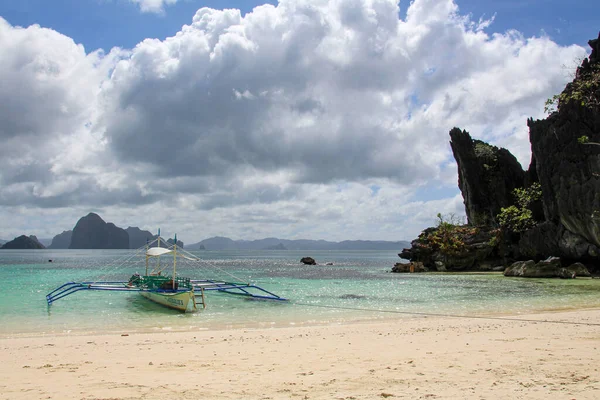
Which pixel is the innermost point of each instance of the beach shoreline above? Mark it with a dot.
(421, 357)
(359, 316)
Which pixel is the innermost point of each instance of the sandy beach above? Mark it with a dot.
(410, 358)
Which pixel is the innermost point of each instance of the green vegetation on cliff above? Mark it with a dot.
(448, 237)
(584, 90)
(519, 218)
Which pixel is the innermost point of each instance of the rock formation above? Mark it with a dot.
(61, 241)
(411, 267)
(475, 248)
(23, 242)
(138, 237)
(308, 261)
(569, 171)
(566, 163)
(487, 176)
(549, 268)
(91, 232)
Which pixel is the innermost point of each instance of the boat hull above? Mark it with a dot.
(181, 301)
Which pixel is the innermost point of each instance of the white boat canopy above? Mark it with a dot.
(157, 251)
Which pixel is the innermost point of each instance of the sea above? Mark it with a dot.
(357, 286)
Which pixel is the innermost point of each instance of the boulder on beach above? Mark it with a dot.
(549, 268)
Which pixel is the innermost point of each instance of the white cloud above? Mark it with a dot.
(50, 93)
(153, 6)
(278, 123)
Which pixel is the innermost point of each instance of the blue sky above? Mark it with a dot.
(318, 119)
(108, 23)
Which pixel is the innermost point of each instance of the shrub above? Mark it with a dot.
(520, 219)
(448, 237)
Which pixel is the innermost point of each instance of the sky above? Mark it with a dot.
(315, 119)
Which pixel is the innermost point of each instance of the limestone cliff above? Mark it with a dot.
(487, 176)
(138, 237)
(91, 232)
(61, 241)
(566, 163)
(569, 170)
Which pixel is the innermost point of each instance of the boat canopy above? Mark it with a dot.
(157, 251)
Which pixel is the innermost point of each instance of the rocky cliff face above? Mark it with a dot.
(565, 161)
(487, 176)
(569, 171)
(61, 241)
(91, 232)
(24, 242)
(138, 237)
(456, 248)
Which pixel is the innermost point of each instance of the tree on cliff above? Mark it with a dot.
(519, 217)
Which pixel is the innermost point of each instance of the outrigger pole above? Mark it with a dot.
(147, 256)
(158, 263)
(247, 290)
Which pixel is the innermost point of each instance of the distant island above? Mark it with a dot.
(92, 232)
(224, 243)
(61, 241)
(279, 246)
(24, 242)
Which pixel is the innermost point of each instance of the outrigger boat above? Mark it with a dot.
(173, 291)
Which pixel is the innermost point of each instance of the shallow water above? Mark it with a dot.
(358, 284)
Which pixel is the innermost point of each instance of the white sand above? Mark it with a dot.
(416, 358)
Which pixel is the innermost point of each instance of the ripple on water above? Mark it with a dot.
(357, 284)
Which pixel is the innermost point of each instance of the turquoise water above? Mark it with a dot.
(357, 283)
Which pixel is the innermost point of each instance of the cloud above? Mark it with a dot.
(323, 89)
(277, 123)
(49, 157)
(153, 6)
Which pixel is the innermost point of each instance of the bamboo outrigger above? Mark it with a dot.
(179, 293)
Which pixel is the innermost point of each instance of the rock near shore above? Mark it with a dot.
(473, 249)
(409, 267)
(549, 268)
(565, 162)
